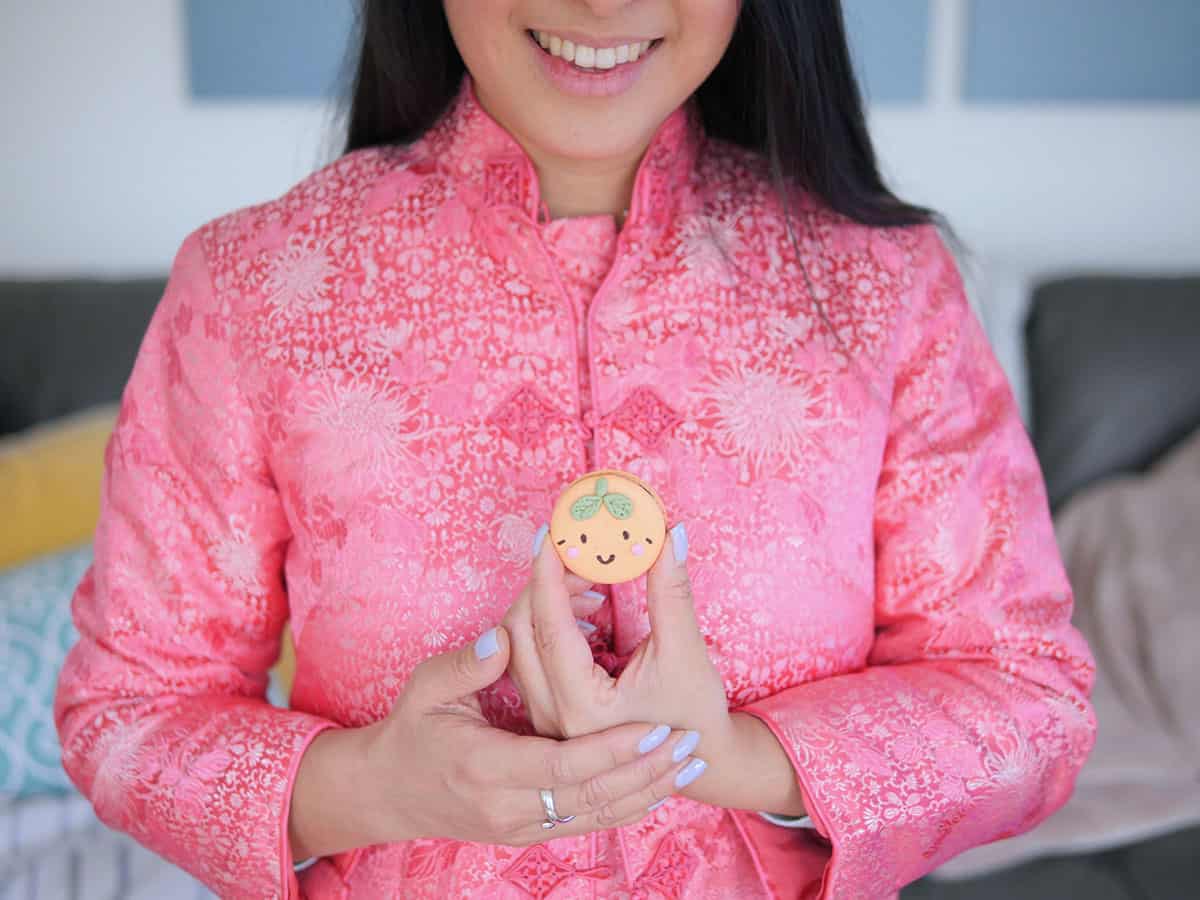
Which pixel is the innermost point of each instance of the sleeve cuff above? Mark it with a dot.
(289, 866)
(815, 819)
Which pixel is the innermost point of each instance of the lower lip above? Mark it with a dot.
(571, 79)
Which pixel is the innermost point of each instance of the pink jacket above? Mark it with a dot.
(355, 404)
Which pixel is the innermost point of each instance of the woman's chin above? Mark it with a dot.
(617, 129)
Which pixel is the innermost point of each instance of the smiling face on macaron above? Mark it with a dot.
(608, 527)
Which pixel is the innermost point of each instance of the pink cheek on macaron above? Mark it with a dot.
(637, 549)
(573, 552)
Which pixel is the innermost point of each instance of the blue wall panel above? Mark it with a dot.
(1083, 50)
(889, 40)
(289, 49)
(1017, 50)
(279, 49)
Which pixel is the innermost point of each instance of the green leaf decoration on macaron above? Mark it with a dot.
(620, 506)
(585, 508)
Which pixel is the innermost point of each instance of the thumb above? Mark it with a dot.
(451, 676)
(669, 596)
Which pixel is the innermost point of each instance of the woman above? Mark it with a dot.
(568, 235)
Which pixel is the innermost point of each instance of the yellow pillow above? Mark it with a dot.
(285, 667)
(50, 483)
(50, 478)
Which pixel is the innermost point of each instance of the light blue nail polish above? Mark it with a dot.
(690, 773)
(686, 745)
(653, 806)
(654, 738)
(595, 595)
(585, 626)
(539, 538)
(487, 644)
(679, 542)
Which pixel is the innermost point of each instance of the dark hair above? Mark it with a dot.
(785, 88)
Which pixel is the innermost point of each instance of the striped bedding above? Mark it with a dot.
(52, 847)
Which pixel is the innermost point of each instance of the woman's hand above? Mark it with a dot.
(435, 768)
(669, 677)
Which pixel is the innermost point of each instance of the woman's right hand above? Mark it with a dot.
(434, 767)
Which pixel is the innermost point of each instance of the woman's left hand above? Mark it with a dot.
(669, 678)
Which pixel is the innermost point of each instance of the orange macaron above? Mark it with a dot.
(608, 526)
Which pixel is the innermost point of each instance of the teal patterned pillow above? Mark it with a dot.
(35, 634)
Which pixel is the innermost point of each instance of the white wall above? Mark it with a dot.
(108, 164)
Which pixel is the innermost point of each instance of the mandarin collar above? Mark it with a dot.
(484, 157)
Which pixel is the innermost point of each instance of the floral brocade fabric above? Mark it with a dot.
(356, 403)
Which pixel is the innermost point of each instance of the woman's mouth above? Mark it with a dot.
(592, 59)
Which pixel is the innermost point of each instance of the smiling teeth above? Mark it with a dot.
(591, 57)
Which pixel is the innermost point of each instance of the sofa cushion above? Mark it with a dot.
(50, 479)
(36, 632)
(1114, 371)
(67, 345)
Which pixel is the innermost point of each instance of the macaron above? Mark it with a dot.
(608, 526)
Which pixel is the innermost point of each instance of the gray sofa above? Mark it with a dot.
(68, 345)
(1114, 367)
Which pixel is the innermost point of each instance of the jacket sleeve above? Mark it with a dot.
(160, 706)
(972, 717)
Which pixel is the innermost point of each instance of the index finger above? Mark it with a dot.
(561, 647)
(547, 763)
(576, 584)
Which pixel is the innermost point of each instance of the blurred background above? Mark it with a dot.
(1060, 137)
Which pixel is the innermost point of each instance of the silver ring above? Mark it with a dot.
(552, 816)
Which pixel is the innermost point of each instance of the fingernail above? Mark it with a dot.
(591, 601)
(690, 773)
(585, 626)
(654, 738)
(679, 542)
(487, 644)
(686, 745)
(653, 806)
(539, 538)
